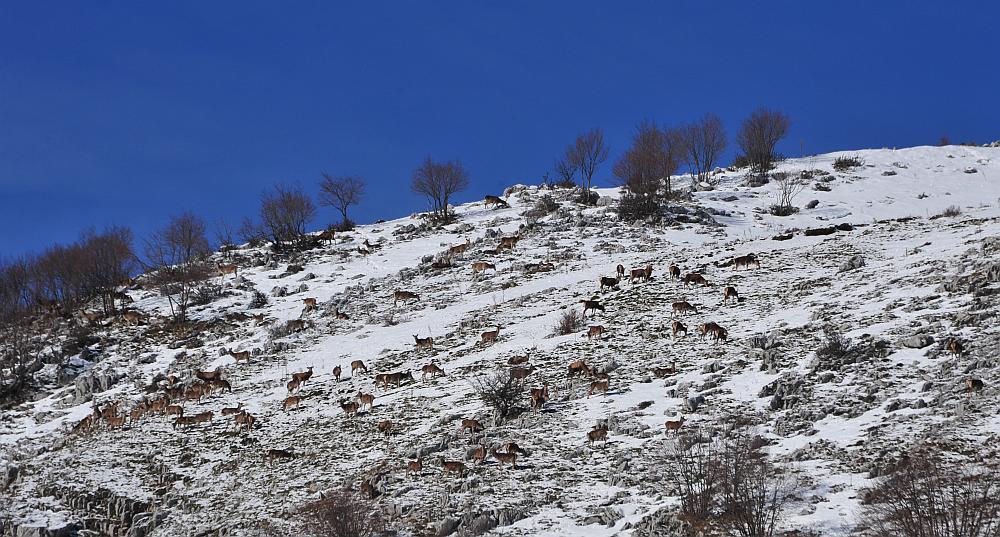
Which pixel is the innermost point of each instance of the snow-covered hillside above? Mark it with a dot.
(898, 273)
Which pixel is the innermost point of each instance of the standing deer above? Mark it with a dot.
(746, 261)
(241, 355)
(415, 467)
(678, 328)
(471, 425)
(682, 307)
(424, 343)
(674, 425)
(358, 365)
(303, 376)
(490, 337)
(620, 271)
(430, 369)
(505, 458)
(591, 305)
(226, 269)
(730, 292)
(599, 433)
(292, 401)
(336, 373)
(674, 271)
(404, 296)
(482, 266)
(595, 331)
(365, 399)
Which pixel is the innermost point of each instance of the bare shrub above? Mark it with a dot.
(569, 322)
(284, 214)
(340, 193)
(566, 171)
(703, 142)
(788, 187)
(259, 300)
(175, 259)
(842, 164)
(951, 211)
(501, 392)
(632, 207)
(929, 497)
(647, 166)
(758, 136)
(697, 463)
(438, 182)
(341, 514)
(587, 154)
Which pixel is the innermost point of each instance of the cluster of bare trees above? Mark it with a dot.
(703, 143)
(438, 182)
(176, 258)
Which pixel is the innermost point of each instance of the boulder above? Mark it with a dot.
(917, 341)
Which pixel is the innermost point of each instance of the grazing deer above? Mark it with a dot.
(116, 422)
(478, 454)
(91, 317)
(365, 399)
(293, 400)
(579, 367)
(242, 355)
(455, 467)
(226, 269)
(545, 266)
(293, 385)
(424, 343)
(158, 406)
(273, 454)
(674, 271)
(505, 458)
(310, 303)
(598, 386)
(303, 376)
(84, 425)
(636, 274)
(955, 347)
(674, 425)
(221, 385)
(458, 249)
(538, 397)
(385, 427)
(195, 392)
(518, 360)
(327, 236)
(591, 305)
(973, 385)
(620, 271)
(404, 296)
(661, 372)
(350, 408)
(392, 378)
(244, 418)
(340, 316)
(336, 373)
(431, 369)
(482, 266)
(677, 328)
(694, 277)
(682, 307)
(512, 447)
(489, 337)
(599, 433)
(520, 373)
(472, 425)
(495, 201)
(132, 317)
(209, 375)
(295, 325)
(203, 416)
(174, 410)
(707, 328)
(358, 365)
(415, 467)
(610, 283)
(746, 261)
(595, 331)
(231, 410)
(730, 292)
(184, 421)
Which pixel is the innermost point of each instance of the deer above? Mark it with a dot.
(84, 425)
(508, 243)
(674, 425)
(595, 331)
(174, 410)
(610, 283)
(258, 320)
(478, 454)
(482, 266)
(226, 269)
(241, 355)
(505, 458)
(538, 397)
(579, 367)
(195, 392)
(495, 201)
(132, 317)
(336, 373)
(746, 261)
(637, 274)
(137, 413)
(203, 416)
(512, 447)
(730, 292)
(694, 277)
(430, 369)
(706, 328)
(340, 316)
(415, 467)
(598, 386)
(292, 400)
(350, 407)
(221, 385)
(620, 271)
(232, 410)
(158, 405)
(272, 454)
(392, 378)
(209, 375)
(648, 273)
(116, 422)
(674, 271)
(455, 467)
(599, 433)
(184, 421)
(544, 266)
(358, 365)
(591, 305)
(472, 425)
(489, 337)
(310, 304)
(677, 328)
(404, 296)
(385, 427)
(973, 385)
(303, 376)
(295, 325)
(662, 372)
(293, 385)
(521, 373)
(91, 317)
(365, 399)
(459, 249)
(682, 307)
(327, 236)
(518, 360)
(423, 343)
(955, 347)
(244, 418)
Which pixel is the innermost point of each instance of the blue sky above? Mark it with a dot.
(128, 112)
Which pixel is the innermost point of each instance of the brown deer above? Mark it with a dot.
(505, 458)
(174, 410)
(459, 249)
(303, 376)
(512, 447)
(274, 454)
(209, 375)
(598, 386)
(478, 455)
(258, 319)
(238, 356)
(482, 266)
(232, 410)
(350, 408)
(636, 274)
(495, 201)
(620, 271)
(295, 325)
(677, 328)
(221, 385)
(340, 316)
(674, 425)
(591, 305)
(955, 347)
(595, 331)
(520, 373)
(648, 273)
(293, 385)
(358, 365)
(203, 416)
(84, 425)
(599, 433)
(610, 283)
(489, 337)
(694, 277)
(518, 360)
(243, 418)
(508, 243)
(327, 236)
(392, 378)
(730, 292)
(404, 296)
(431, 369)
(365, 399)
(158, 405)
(292, 401)
(310, 303)
(674, 271)
(91, 317)
(336, 373)
(184, 421)
(973, 385)
(746, 261)
(661, 372)
(116, 422)
(424, 343)
(472, 425)
(385, 427)
(226, 269)
(137, 413)
(579, 367)
(453, 467)
(682, 307)
(132, 317)
(415, 467)
(538, 397)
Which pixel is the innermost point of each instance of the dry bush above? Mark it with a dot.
(842, 164)
(929, 497)
(758, 136)
(566, 171)
(500, 392)
(632, 207)
(788, 187)
(438, 182)
(952, 211)
(341, 193)
(568, 323)
(341, 514)
(284, 214)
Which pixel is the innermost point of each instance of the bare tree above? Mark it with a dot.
(587, 154)
(224, 236)
(566, 171)
(341, 193)
(500, 391)
(758, 136)
(649, 163)
(342, 514)
(703, 142)
(438, 182)
(285, 214)
(175, 260)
